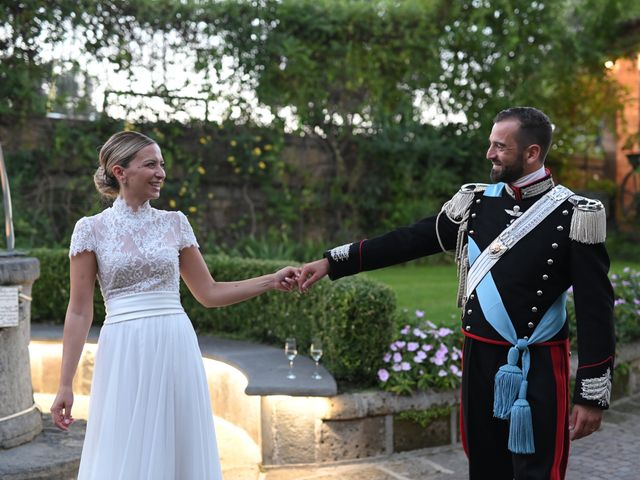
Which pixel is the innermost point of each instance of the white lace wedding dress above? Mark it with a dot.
(149, 414)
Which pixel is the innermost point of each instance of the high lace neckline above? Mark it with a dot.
(122, 208)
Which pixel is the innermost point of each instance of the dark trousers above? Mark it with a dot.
(485, 438)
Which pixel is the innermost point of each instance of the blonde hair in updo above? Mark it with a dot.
(118, 150)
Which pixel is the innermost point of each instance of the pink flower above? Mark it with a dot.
(383, 375)
(405, 366)
(412, 346)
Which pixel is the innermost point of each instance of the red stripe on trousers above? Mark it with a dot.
(463, 435)
(560, 360)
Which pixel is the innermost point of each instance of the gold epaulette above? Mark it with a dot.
(589, 220)
(457, 207)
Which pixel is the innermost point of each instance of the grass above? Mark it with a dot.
(433, 288)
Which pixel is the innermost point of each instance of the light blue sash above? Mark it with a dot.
(511, 382)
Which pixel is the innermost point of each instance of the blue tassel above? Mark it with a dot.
(507, 384)
(521, 427)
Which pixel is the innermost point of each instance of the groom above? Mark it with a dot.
(520, 243)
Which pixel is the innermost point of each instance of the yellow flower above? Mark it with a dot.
(231, 159)
(267, 147)
(233, 143)
(182, 191)
(256, 151)
(203, 140)
(237, 169)
(128, 126)
(172, 203)
(193, 209)
(201, 170)
(258, 139)
(262, 165)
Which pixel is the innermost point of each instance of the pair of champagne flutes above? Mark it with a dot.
(291, 351)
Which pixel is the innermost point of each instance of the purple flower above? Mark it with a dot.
(636, 301)
(405, 366)
(419, 333)
(393, 347)
(412, 346)
(440, 356)
(387, 357)
(442, 373)
(430, 324)
(426, 347)
(420, 356)
(383, 375)
(419, 313)
(396, 367)
(619, 301)
(397, 357)
(400, 343)
(626, 269)
(626, 283)
(405, 330)
(455, 370)
(443, 332)
(443, 350)
(614, 277)
(437, 360)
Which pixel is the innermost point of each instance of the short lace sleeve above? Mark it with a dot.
(187, 238)
(82, 239)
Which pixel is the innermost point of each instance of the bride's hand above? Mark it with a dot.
(286, 279)
(61, 409)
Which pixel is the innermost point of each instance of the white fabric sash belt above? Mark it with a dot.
(514, 233)
(140, 305)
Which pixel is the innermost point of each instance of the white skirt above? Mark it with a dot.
(149, 413)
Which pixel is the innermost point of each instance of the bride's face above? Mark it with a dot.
(145, 175)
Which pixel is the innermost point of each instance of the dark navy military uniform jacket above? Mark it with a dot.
(529, 277)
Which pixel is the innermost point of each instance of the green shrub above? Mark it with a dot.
(353, 317)
(626, 290)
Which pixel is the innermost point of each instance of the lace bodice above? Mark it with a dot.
(136, 251)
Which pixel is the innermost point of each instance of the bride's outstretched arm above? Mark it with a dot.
(77, 321)
(210, 293)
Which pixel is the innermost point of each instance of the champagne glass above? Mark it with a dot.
(316, 353)
(290, 350)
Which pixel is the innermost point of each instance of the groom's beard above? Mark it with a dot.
(508, 173)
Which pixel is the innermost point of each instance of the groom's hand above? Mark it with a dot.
(312, 272)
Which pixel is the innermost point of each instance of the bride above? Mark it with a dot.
(150, 415)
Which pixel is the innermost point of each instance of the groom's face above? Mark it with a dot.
(507, 158)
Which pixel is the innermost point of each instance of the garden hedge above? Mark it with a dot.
(354, 316)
